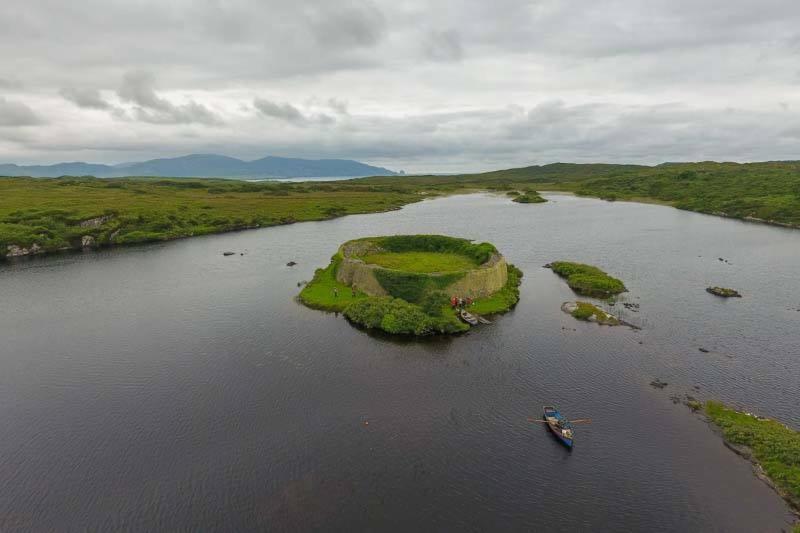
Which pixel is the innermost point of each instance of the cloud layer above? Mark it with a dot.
(421, 86)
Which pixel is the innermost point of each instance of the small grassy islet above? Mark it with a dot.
(588, 280)
(529, 197)
(591, 313)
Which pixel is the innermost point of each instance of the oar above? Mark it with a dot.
(578, 421)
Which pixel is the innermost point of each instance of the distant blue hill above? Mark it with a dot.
(205, 166)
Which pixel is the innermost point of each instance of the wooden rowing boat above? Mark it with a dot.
(468, 317)
(559, 425)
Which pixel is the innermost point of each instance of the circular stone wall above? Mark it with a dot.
(480, 282)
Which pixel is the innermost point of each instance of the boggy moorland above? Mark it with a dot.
(45, 215)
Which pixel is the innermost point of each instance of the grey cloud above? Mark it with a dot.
(612, 81)
(17, 114)
(444, 46)
(85, 98)
(283, 111)
(289, 113)
(346, 23)
(6, 83)
(339, 106)
(138, 88)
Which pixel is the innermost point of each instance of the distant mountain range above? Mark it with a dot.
(205, 166)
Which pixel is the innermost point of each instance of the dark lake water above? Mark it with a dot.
(167, 387)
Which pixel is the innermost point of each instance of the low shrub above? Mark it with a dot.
(397, 316)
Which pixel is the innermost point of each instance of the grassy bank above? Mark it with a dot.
(54, 214)
(587, 279)
(773, 446)
(503, 300)
(323, 292)
(57, 214)
(768, 191)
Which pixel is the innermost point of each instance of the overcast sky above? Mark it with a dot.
(438, 86)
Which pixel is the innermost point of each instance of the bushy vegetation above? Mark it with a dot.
(502, 300)
(412, 287)
(591, 313)
(530, 197)
(397, 316)
(422, 262)
(774, 446)
(587, 279)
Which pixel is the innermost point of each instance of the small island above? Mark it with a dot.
(405, 284)
(590, 313)
(587, 280)
(528, 197)
(723, 292)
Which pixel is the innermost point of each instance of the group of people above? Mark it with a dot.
(459, 302)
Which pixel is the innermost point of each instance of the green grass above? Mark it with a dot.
(588, 280)
(585, 311)
(479, 252)
(768, 191)
(325, 293)
(422, 262)
(48, 212)
(775, 446)
(502, 300)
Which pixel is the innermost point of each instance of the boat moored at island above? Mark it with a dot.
(559, 425)
(468, 317)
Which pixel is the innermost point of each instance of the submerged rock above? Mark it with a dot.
(657, 383)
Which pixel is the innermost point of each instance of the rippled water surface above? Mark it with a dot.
(169, 387)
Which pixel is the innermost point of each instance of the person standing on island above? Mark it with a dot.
(335, 292)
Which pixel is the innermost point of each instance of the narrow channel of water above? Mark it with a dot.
(169, 387)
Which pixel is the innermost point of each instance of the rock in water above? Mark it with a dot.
(226, 254)
(723, 292)
(291, 264)
(657, 383)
